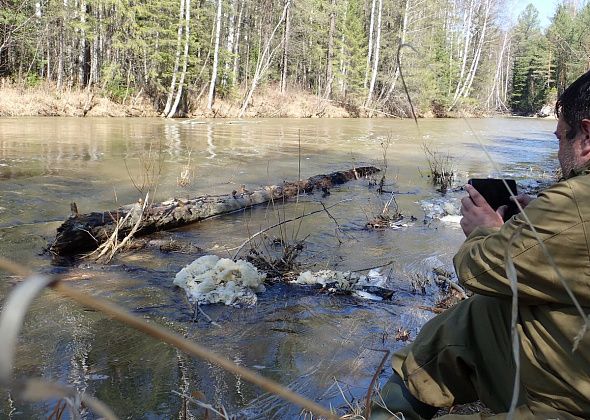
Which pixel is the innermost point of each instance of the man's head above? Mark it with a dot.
(573, 126)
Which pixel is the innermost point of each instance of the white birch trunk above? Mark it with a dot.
(215, 58)
(285, 63)
(237, 43)
(231, 37)
(507, 74)
(342, 59)
(475, 62)
(494, 101)
(467, 21)
(376, 58)
(370, 51)
(187, 15)
(176, 60)
(330, 55)
(263, 62)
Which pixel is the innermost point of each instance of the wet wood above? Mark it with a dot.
(85, 232)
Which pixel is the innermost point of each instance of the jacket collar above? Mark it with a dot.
(584, 170)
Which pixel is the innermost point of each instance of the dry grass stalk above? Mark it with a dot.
(207, 407)
(511, 274)
(11, 321)
(368, 399)
(186, 174)
(10, 326)
(384, 148)
(42, 390)
(355, 410)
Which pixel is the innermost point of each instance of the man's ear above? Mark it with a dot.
(585, 129)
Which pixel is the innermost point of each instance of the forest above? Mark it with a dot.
(197, 56)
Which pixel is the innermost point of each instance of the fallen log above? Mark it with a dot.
(86, 232)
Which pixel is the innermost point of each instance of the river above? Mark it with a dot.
(321, 345)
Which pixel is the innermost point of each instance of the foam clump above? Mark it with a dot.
(447, 209)
(210, 279)
(344, 281)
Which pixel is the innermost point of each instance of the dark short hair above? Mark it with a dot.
(574, 104)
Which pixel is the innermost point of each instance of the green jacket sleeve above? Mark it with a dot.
(557, 218)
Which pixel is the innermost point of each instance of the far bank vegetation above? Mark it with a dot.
(284, 58)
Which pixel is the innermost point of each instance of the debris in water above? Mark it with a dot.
(210, 279)
(446, 209)
(370, 286)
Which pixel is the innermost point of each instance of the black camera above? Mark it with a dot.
(495, 192)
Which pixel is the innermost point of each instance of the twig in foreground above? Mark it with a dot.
(160, 333)
(373, 380)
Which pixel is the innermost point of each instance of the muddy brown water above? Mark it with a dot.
(320, 345)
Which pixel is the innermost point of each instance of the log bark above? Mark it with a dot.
(85, 232)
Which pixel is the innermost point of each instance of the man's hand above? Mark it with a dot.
(477, 212)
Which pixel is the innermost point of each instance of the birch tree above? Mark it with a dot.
(215, 58)
(264, 60)
(370, 48)
(286, 35)
(176, 60)
(376, 57)
(187, 14)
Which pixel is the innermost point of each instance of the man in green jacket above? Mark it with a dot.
(465, 354)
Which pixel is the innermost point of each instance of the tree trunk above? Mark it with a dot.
(370, 51)
(467, 40)
(187, 14)
(82, 233)
(176, 60)
(402, 41)
(494, 99)
(231, 38)
(285, 63)
(330, 55)
(466, 86)
(264, 60)
(376, 58)
(236, 51)
(215, 58)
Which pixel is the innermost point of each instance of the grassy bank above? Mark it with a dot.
(45, 99)
(17, 100)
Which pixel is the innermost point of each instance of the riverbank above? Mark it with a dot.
(45, 100)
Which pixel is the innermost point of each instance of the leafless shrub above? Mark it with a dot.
(146, 178)
(442, 171)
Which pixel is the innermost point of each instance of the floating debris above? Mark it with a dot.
(210, 279)
(370, 286)
(446, 209)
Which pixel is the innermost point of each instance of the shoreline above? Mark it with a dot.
(48, 101)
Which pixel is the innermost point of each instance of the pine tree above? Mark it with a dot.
(531, 69)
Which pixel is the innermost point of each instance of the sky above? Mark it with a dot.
(546, 9)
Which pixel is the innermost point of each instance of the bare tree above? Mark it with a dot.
(185, 59)
(285, 63)
(215, 58)
(370, 50)
(176, 60)
(330, 54)
(376, 57)
(264, 60)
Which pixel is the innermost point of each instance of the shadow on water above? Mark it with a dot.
(295, 335)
